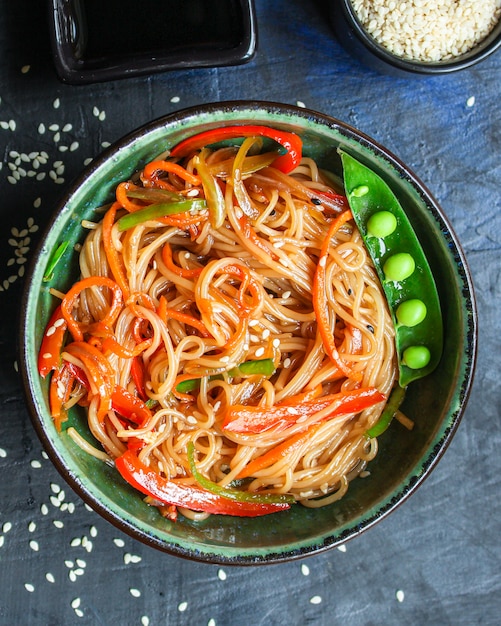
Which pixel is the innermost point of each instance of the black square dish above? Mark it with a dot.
(96, 40)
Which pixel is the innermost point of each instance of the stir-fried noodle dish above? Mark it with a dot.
(228, 336)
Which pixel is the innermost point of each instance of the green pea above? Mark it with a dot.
(399, 266)
(360, 191)
(411, 312)
(416, 357)
(381, 224)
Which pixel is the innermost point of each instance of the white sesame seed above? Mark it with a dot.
(120, 543)
(135, 593)
(276, 343)
(57, 103)
(44, 509)
(400, 595)
(182, 606)
(34, 545)
(175, 99)
(76, 542)
(69, 564)
(58, 524)
(342, 548)
(50, 577)
(41, 128)
(2, 540)
(3, 453)
(75, 603)
(93, 531)
(300, 104)
(287, 363)
(316, 600)
(12, 125)
(221, 574)
(72, 576)
(29, 587)
(259, 352)
(32, 527)
(305, 570)
(145, 620)
(471, 101)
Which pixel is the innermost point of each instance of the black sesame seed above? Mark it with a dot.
(370, 328)
(316, 201)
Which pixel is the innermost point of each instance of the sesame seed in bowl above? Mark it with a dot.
(418, 36)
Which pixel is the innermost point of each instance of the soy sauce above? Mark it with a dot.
(123, 28)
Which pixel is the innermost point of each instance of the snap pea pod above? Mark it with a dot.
(402, 267)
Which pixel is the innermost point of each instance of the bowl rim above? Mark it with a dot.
(398, 496)
(481, 51)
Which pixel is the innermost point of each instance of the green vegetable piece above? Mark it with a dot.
(56, 256)
(381, 224)
(230, 493)
(416, 357)
(399, 266)
(419, 285)
(154, 211)
(263, 367)
(394, 402)
(411, 312)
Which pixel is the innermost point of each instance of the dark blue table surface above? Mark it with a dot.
(437, 559)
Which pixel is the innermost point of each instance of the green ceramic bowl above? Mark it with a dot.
(435, 403)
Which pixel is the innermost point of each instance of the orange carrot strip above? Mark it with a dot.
(70, 298)
(114, 261)
(176, 269)
(320, 297)
(275, 454)
(153, 167)
(251, 239)
(185, 318)
(123, 198)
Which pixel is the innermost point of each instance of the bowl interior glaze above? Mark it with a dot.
(435, 403)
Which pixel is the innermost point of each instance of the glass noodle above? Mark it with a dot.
(232, 281)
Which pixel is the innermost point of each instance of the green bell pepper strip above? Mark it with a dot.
(394, 255)
(212, 191)
(193, 497)
(154, 195)
(156, 211)
(285, 162)
(394, 401)
(262, 367)
(55, 257)
(234, 494)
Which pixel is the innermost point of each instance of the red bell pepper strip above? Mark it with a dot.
(290, 141)
(129, 406)
(256, 419)
(49, 356)
(192, 497)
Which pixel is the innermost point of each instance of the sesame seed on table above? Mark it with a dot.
(435, 560)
